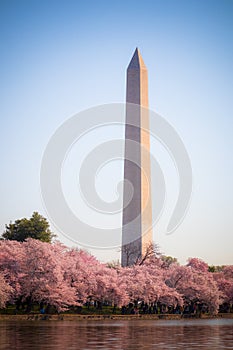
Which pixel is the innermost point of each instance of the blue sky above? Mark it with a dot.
(61, 57)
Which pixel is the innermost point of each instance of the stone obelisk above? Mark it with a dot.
(137, 210)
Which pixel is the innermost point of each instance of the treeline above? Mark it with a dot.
(50, 274)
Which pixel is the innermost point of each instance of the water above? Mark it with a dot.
(136, 334)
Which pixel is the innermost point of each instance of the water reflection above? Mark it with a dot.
(84, 335)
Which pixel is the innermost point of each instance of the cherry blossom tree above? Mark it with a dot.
(198, 264)
(144, 283)
(194, 283)
(5, 291)
(80, 273)
(12, 254)
(52, 274)
(43, 279)
(224, 280)
(228, 272)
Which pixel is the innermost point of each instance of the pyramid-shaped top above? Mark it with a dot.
(136, 61)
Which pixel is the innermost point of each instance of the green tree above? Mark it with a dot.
(36, 227)
(214, 268)
(168, 260)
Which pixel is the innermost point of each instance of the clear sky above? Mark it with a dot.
(61, 57)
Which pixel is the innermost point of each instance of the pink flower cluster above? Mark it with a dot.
(55, 275)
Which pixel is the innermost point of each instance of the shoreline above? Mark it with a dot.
(74, 317)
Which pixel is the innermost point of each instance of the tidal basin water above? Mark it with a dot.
(136, 334)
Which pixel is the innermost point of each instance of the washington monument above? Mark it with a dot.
(137, 211)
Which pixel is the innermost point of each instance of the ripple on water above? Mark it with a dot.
(126, 335)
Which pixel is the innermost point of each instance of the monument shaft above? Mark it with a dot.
(137, 211)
